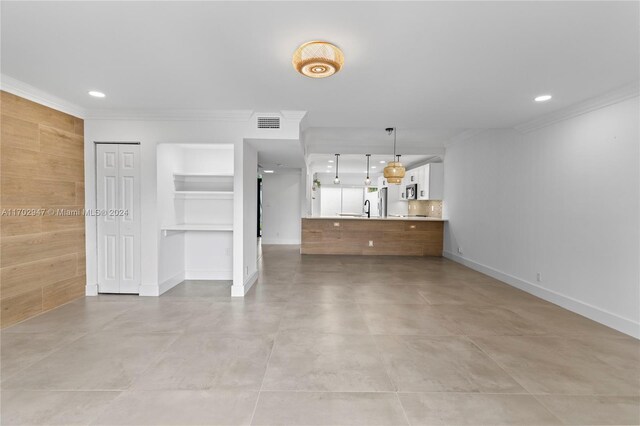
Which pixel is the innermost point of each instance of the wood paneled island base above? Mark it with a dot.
(391, 236)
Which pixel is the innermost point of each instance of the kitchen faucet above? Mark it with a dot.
(367, 205)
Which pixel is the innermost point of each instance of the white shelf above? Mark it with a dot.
(204, 195)
(202, 182)
(200, 227)
(202, 175)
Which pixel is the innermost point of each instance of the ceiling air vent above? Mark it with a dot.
(268, 122)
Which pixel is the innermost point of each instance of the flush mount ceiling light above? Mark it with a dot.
(367, 181)
(318, 59)
(96, 94)
(394, 172)
(542, 98)
(337, 179)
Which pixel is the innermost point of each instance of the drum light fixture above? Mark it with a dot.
(318, 59)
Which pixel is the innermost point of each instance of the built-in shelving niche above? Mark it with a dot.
(202, 182)
(195, 209)
(203, 201)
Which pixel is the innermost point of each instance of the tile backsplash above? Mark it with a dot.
(430, 208)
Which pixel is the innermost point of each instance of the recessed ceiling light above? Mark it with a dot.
(382, 161)
(96, 94)
(373, 167)
(329, 167)
(542, 98)
(331, 161)
(267, 171)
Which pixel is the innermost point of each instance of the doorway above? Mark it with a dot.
(118, 217)
(259, 207)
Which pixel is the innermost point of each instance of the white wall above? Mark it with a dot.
(172, 247)
(245, 206)
(219, 128)
(208, 256)
(149, 133)
(330, 200)
(281, 208)
(562, 201)
(199, 158)
(250, 215)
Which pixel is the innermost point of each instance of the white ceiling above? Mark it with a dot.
(278, 153)
(356, 140)
(357, 163)
(415, 65)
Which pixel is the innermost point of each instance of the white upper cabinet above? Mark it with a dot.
(430, 181)
(429, 178)
(412, 176)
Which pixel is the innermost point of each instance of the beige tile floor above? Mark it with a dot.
(333, 340)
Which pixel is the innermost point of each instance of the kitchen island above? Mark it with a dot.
(398, 236)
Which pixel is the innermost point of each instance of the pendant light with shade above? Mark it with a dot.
(337, 179)
(394, 172)
(367, 181)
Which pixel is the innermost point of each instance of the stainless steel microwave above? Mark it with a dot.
(411, 193)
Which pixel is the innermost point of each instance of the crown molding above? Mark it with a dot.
(24, 90)
(171, 115)
(610, 98)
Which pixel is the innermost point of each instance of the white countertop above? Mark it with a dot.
(423, 219)
(197, 227)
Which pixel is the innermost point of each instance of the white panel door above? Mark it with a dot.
(118, 201)
(129, 202)
(108, 225)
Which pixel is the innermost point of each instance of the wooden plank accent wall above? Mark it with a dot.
(42, 257)
(390, 237)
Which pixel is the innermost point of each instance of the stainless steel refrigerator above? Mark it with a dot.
(382, 202)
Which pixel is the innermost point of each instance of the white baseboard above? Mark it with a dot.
(281, 241)
(240, 291)
(208, 274)
(149, 290)
(250, 281)
(157, 290)
(91, 290)
(594, 313)
(170, 283)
